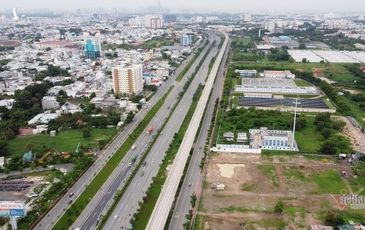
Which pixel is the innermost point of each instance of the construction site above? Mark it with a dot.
(307, 187)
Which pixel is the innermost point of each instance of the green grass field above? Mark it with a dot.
(269, 171)
(302, 83)
(243, 42)
(328, 182)
(65, 141)
(309, 139)
(156, 43)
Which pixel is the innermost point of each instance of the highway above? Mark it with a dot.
(193, 180)
(167, 196)
(129, 203)
(101, 202)
(48, 221)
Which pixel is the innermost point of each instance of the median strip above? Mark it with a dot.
(82, 201)
(187, 67)
(140, 219)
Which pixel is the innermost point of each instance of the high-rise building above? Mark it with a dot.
(153, 21)
(186, 40)
(127, 80)
(92, 47)
(247, 18)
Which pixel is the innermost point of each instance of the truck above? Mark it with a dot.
(149, 130)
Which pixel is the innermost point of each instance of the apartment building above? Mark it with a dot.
(127, 80)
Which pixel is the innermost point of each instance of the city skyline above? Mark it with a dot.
(205, 5)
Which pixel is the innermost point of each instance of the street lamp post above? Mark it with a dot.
(295, 120)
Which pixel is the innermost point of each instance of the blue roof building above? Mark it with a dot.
(92, 48)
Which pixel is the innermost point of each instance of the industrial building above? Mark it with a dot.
(279, 74)
(127, 80)
(264, 138)
(246, 73)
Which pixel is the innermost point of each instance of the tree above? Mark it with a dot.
(279, 207)
(301, 123)
(86, 133)
(326, 133)
(193, 200)
(335, 144)
(302, 46)
(129, 118)
(3, 146)
(92, 95)
(328, 148)
(334, 219)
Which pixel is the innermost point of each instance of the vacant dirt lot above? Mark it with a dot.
(254, 184)
(354, 134)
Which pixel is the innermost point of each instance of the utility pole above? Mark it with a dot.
(295, 120)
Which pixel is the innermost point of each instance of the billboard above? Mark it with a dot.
(12, 209)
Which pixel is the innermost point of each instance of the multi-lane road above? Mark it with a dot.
(167, 196)
(193, 180)
(100, 203)
(59, 209)
(129, 203)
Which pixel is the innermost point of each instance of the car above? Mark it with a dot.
(190, 184)
(129, 164)
(71, 194)
(70, 202)
(133, 147)
(116, 216)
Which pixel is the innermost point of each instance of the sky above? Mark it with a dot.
(218, 5)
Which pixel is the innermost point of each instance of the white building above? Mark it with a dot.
(50, 102)
(272, 139)
(153, 21)
(241, 137)
(8, 103)
(2, 162)
(279, 74)
(43, 118)
(247, 18)
(128, 80)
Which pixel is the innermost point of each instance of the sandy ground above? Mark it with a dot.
(227, 170)
(22, 195)
(250, 194)
(354, 134)
(319, 73)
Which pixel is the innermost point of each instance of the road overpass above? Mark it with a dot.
(193, 180)
(164, 203)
